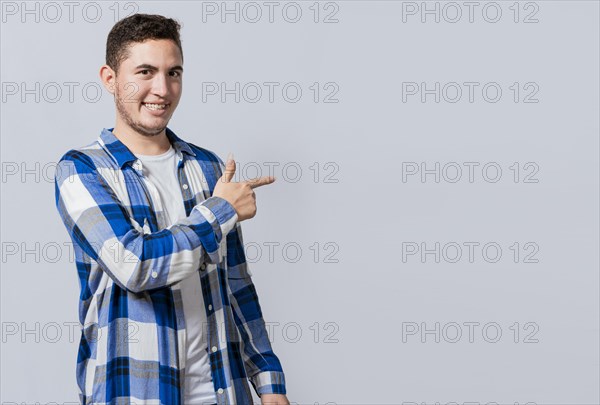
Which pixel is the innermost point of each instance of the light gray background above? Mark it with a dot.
(370, 295)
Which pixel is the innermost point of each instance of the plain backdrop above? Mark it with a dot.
(411, 250)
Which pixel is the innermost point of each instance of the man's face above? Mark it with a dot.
(148, 86)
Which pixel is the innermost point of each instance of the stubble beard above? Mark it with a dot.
(136, 126)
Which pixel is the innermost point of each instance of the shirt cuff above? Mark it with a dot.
(220, 209)
(269, 382)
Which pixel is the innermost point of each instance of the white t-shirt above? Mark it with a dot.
(161, 170)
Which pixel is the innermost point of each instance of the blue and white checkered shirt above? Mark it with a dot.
(132, 347)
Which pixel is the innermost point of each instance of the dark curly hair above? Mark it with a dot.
(138, 28)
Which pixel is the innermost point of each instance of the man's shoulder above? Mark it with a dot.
(91, 154)
(205, 154)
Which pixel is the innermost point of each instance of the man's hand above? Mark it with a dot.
(240, 195)
(274, 399)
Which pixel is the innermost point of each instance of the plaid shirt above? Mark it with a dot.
(133, 334)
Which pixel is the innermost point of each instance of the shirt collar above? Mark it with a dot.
(122, 154)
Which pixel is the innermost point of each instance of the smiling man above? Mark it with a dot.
(168, 310)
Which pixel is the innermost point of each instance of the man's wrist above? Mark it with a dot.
(269, 382)
(221, 210)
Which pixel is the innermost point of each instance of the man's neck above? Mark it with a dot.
(140, 144)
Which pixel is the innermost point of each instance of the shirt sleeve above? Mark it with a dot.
(136, 260)
(262, 365)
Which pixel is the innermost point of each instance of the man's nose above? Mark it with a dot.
(159, 85)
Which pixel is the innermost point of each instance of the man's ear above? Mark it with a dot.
(109, 78)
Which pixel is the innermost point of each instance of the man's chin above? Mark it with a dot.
(153, 130)
(150, 131)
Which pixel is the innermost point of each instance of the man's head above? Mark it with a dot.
(143, 70)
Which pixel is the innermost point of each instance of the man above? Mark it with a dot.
(168, 309)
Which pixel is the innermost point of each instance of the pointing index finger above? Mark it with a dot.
(261, 181)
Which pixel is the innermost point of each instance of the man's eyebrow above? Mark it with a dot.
(150, 67)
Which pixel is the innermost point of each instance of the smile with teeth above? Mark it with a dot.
(155, 107)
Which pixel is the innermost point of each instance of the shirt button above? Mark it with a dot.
(185, 186)
(209, 307)
(220, 390)
(203, 266)
(214, 349)
(154, 274)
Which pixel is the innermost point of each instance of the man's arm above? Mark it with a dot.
(263, 366)
(98, 222)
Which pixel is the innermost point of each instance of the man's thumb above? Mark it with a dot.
(229, 168)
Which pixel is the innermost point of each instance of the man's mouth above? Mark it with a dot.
(155, 107)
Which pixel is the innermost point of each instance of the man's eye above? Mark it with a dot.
(175, 73)
(144, 71)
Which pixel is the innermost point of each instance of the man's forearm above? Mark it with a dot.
(137, 260)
